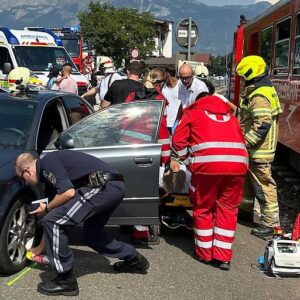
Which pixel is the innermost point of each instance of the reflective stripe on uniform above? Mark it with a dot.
(137, 135)
(224, 232)
(203, 244)
(182, 152)
(166, 153)
(218, 158)
(203, 232)
(223, 245)
(163, 141)
(209, 145)
(62, 221)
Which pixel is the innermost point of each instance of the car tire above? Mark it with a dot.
(17, 233)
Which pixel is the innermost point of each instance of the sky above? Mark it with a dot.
(271, 1)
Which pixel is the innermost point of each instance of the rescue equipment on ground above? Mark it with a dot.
(41, 259)
(282, 254)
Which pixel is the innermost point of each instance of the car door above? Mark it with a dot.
(125, 136)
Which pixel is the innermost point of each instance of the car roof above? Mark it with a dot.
(39, 96)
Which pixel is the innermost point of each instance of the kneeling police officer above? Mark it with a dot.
(83, 188)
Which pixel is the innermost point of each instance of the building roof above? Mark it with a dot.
(202, 57)
(161, 61)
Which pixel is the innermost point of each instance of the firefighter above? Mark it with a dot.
(210, 139)
(259, 118)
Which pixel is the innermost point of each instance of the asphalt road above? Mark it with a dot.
(174, 274)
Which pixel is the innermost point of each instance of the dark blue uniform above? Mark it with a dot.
(61, 171)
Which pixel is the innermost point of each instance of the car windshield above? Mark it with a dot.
(72, 46)
(42, 58)
(15, 122)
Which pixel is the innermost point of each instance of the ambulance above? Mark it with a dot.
(36, 50)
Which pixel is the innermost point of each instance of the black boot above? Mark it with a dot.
(262, 230)
(63, 284)
(138, 264)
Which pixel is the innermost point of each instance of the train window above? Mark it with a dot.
(266, 45)
(296, 65)
(282, 47)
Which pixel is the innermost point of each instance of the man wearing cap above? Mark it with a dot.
(110, 75)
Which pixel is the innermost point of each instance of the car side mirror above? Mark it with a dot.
(6, 68)
(64, 141)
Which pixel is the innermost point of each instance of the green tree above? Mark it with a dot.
(113, 32)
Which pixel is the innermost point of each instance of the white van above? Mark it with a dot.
(37, 51)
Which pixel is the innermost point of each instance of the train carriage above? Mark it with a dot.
(275, 35)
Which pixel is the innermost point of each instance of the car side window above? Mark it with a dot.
(128, 123)
(51, 124)
(4, 58)
(76, 108)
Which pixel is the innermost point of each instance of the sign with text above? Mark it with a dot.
(182, 33)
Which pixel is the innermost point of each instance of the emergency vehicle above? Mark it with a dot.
(36, 50)
(275, 36)
(73, 42)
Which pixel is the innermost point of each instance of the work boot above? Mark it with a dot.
(262, 230)
(224, 265)
(139, 264)
(63, 284)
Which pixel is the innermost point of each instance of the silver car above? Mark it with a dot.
(124, 136)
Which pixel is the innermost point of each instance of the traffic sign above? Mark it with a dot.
(88, 61)
(182, 33)
(135, 53)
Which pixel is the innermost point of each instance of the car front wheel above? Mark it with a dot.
(17, 235)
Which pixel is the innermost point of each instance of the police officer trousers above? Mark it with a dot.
(265, 191)
(93, 206)
(215, 207)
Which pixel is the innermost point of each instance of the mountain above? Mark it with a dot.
(216, 23)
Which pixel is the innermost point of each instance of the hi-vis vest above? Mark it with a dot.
(265, 149)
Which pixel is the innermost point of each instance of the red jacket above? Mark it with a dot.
(210, 138)
(163, 134)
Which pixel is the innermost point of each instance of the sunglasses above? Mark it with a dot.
(185, 78)
(159, 81)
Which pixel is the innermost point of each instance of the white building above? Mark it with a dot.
(163, 38)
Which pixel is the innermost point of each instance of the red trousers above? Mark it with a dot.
(215, 207)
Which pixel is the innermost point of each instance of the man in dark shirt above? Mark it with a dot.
(120, 89)
(85, 189)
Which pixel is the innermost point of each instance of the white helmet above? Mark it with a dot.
(106, 64)
(18, 76)
(201, 71)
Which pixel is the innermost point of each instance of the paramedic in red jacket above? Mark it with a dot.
(210, 139)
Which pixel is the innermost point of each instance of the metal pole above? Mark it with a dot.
(189, 38)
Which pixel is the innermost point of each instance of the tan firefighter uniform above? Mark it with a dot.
(259, 118)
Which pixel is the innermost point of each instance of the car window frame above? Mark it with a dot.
(108, 107)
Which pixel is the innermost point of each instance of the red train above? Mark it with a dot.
(275, 35)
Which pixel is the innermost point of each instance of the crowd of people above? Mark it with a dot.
(202, 139)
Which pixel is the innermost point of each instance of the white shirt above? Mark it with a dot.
(188, 96)
(103, 85)
(171, 94)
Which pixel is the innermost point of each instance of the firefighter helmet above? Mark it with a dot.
(18, 76)
(251, 66)
(106, 65)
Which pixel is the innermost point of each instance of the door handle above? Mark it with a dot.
(143, 161)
